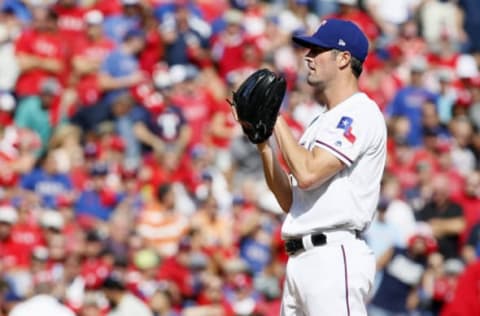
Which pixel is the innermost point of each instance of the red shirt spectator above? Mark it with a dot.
(465, 301)
(41, 53)
(88, 55)
(363, 20)
(470, 202)
(197, 105)
(71, 23)
(222, 125)
(227, 46)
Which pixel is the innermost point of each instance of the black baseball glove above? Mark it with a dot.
(257, 102)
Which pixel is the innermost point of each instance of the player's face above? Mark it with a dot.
(321, 66)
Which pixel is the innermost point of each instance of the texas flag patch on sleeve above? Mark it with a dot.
(345, 124)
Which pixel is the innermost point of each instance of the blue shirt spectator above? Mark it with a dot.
(119, 64)
(46, 182)
(181, 32)
(409, 101)
(97, 200)
(117, 26)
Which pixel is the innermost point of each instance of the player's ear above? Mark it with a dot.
(343, 59)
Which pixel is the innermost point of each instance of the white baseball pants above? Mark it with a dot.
(329, 280)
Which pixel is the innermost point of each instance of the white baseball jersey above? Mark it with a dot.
(355, 132)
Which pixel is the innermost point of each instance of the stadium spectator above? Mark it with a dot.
(41, 113)
(120, 70)
(8, 61)
(185, 36)
(463, 157)
(88, 55)
(46, 181)
(445, 217)
(97, 200)
(403, 272)
(122, 302)
(41, 52)
(349, 10)
(160, 223)
(409, 101)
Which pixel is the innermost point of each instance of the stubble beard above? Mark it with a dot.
(313, 81)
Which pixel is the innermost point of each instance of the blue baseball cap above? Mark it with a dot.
(337, 34)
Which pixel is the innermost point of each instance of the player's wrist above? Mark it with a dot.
(263, 146)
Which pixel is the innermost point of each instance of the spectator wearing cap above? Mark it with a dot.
(97, 200)
(88, 55)
(116, 26)
(135, 126)
(402, 274)
(196, 102)
(227, 45)
(12, 254)
(27, 231)
(8, 61)
(52, 223)
(434, 135)
(40, 53)
(41, 113)
(95, 267)
(171, 124)
(71, 23)
(185, 36)
(47, 181)
(142, 277)
(120, 70)
(408, 101)
(122, 302)
(17, 10)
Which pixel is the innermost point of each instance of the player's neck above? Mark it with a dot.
(339, 91)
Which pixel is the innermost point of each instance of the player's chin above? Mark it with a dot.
(314, 81)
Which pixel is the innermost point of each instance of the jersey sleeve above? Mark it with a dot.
(342, 137)
(23, 43)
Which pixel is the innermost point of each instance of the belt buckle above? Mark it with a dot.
(292, 246)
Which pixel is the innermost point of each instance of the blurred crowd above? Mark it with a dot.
(126, 188)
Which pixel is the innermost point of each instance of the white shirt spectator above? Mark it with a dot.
(129, 306)
(42, 305)
(401, 215)
(439, 18)
(395, 12)
(8, 63)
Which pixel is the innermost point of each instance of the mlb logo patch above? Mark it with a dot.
(345, 124)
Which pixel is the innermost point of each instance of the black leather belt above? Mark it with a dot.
(294, 245)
